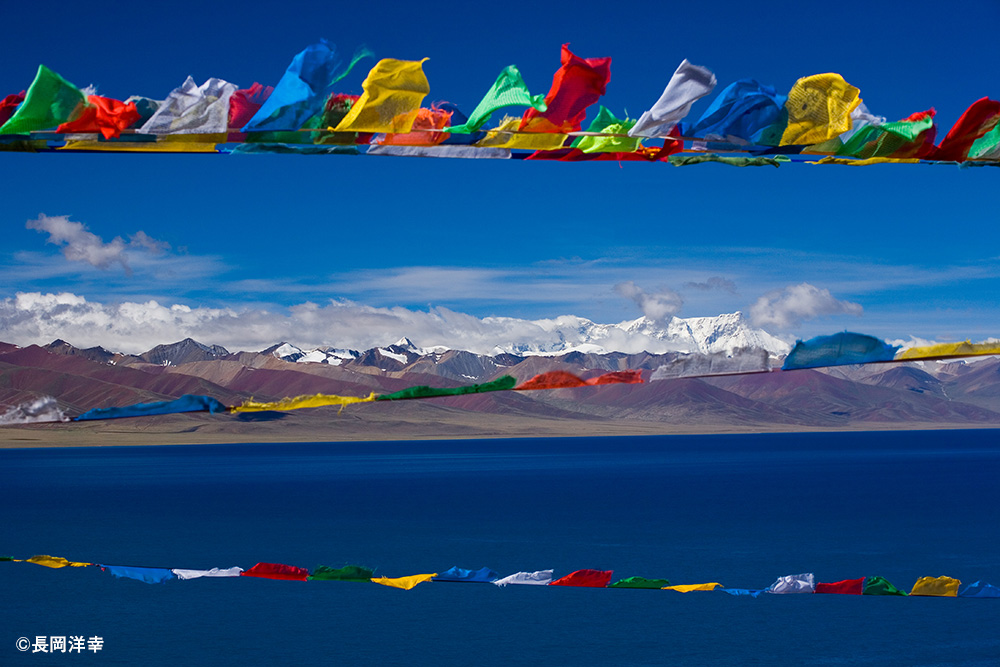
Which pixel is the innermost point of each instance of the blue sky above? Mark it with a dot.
(896, 251)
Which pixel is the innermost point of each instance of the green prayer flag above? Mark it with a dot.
(500, 384)
(6, 558)
(607, 123)
(508, 90)
(346, 573)
(640, 582)
(880, 586)
(986, 147)
(886, 139)
(51, 100)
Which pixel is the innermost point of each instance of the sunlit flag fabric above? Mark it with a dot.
(959, 349)
(186, 403)
(987, 147)
(793, 583)
(104, 115)
(741, 113)
(640, 582)
(907, 138)
(844, 587)
(718, 363)
(880, 586)
(300, 402)
(149, 575)
(566, 380)
(980, 589)
(688, 84)
(394, 90)
(693, 588)
(303, 89)
(277, 571)
(508, 90)
(193, 109)
(54, 562)
(936, 587)
(214, 572)
(51, 100)
(483, 575)
(246, 102)
(819, 108)
(577, 84)
(608, 124)
(406, 583)
(537, 578)
(978, 119)
(346, 573)
(585, 579)
(506, 135)
(840, 349)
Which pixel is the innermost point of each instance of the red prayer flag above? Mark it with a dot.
(104, 115)
(245, 102)
(585, 579)
(8, 106)
(575, 86)
(845, 587)
(978, 119)
(277, 571)
(617, 377)
(552, 380)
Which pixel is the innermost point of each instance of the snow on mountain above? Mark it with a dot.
(568, 333)
(705, 335)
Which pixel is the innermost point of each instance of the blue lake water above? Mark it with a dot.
(741, 510)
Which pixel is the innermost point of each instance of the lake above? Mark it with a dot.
(736, 509)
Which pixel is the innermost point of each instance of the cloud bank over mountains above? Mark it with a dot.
(133, 327)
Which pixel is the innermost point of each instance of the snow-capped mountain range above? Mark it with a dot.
(703, 335)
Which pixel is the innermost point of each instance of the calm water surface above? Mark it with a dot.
(740, 510)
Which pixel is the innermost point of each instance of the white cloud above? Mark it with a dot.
(134, 327)
(713, 283)
(788, 308)
(658, 306)
(80, 245)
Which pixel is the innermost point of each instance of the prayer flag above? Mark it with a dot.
(149, 575)
(104, 115)
(980, 589)
(819, 108)
(538, 578)
(741, 113)
(186, 403)
(346, 573)
(689, 84)
(936, 587)
(880, 586)
(50, 101)
(300, 402)
(840, 349)
(640, 582)
(54, 562)
(214, 572)
(508, 90)
(690, 588)
(393, 92)
(481, 576)
(193, 109)
(406, 583)
(277, 571)
(585, 579)
(978, 119)
(577, 84)
(793, 583)
(845, 587)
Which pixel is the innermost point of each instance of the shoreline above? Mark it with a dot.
(117, 433)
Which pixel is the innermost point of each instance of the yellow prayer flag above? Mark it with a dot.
(507, 136)
(299, 402)
(819, 108)
(687, 588)
(962, 349)
(54, 562)
(936, 586)
(406, 583)
(394, 90)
